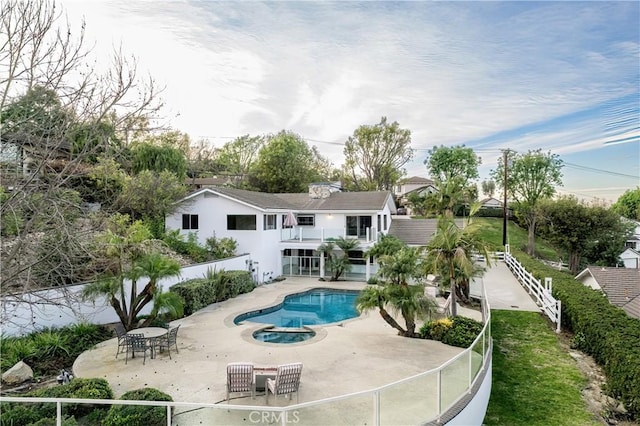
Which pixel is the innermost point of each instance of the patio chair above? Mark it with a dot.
(287, 381)
(240, 378)
(137, 343)
(171, 339)
(122, 339)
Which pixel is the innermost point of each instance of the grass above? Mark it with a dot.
(491, 232)
(535, 382)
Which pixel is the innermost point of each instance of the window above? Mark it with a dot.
(189, 221)
(385, 222)
(357, 226)
(356, 257)
(306, 220)
(241, 222)
(379, 227)
(269, 221)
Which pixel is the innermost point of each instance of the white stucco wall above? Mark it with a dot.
(589, 281)
(630, 259)
(60, 307)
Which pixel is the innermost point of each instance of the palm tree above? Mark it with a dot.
(450, 251)
(128, 304)
(339, 263)
(396, 294)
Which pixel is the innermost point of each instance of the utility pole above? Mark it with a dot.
(505, 154)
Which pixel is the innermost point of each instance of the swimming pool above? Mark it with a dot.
(312, 307)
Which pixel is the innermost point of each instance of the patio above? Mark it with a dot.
(354, 355)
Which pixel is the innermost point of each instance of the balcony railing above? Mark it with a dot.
(303, 234)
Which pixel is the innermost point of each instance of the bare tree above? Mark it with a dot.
(58, 113)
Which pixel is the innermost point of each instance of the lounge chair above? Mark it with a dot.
(137, 343)
(287, 381)
(240, 378)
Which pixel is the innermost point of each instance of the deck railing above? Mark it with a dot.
(304, 234)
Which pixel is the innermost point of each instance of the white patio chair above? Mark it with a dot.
(287, 381)
(240, 378)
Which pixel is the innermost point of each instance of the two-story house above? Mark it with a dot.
(282, 232)
(630, 257)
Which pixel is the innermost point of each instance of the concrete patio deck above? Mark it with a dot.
(350, 356)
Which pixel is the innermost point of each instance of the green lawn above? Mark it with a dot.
(491, 231)
(535, 382)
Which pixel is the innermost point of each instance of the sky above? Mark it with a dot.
(559, 76)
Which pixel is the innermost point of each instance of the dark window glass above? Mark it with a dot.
(189, 221)
(241, 222)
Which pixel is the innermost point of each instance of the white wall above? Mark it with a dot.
(630, 259)
(63, 306)
(589, 281)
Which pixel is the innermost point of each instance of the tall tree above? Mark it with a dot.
(337, 254)
(628, 204)
(488, 187)
(375, 155)
(158, 158)
(531, 177)
(285, 164)
(576, 227)
(238, 156)
(453, 163)
(48, 76)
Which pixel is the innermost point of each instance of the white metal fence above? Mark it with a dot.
(540, 291)
(420, 399)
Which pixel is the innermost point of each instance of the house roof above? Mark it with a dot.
(486, 200)
(417, 180)
(621, 285)
(372, 200)
(415, 232)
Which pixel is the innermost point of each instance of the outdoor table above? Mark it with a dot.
(261, 375)
(150, 334)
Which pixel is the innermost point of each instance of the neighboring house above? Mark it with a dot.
(634, 240)
(630, 258)
(282, 232)
(620, 285)
(412, 184)
(490, 203)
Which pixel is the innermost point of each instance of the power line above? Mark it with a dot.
(593, 169)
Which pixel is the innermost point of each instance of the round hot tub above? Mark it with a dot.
(283, 335)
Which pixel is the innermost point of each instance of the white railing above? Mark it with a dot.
(303, 234)
(542, 292)
(422, 398)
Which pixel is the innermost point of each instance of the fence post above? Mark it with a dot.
(558, 315)
(168, 415)
(548, 284)
(58, 413)
(376, 408)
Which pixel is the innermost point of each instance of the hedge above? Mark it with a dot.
(125, 415)
(25, 414)
(605, 331)
(216, 287)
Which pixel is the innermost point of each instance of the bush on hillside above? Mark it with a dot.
(605, 331)
(215, 287)
(125, 415)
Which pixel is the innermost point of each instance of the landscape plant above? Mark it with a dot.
(336, 251)
(125, 415)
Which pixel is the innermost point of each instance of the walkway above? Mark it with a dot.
(504, 291)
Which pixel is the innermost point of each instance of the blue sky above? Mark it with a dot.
(560, 76)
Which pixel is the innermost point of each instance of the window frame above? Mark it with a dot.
(300, 218)
(191, 221)
(269, 222)
(235, 222)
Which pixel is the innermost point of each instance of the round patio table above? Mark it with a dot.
(150, 334)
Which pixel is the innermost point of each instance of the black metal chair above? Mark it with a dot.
(122, 339)
(137, 343)
(171, 339)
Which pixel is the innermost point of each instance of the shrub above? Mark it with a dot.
(26, 414)
(222, 248)
(463, 332)
(435, 330)
(602, 330)
(215, 287)
(125, 415)
(455, 331)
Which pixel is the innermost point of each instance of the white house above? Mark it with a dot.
(490, 203)
(620, 285)
(630, 258)
(282, 232)
(414, 183)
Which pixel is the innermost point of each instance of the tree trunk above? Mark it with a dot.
(574, 261)
(452, 283)
(389, 319)
(463, 291)
(531, 248)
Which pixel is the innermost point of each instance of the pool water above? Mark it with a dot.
(313, 307)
